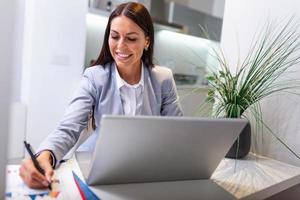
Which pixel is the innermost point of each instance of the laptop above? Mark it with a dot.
(143, 149)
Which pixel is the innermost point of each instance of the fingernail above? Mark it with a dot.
(45, 183)
(48, 179)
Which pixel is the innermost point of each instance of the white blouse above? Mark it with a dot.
(131, 95)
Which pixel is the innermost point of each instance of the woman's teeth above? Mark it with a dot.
(123, 55)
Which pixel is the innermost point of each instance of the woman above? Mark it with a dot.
(123, 81)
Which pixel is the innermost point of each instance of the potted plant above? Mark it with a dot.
(262, 74)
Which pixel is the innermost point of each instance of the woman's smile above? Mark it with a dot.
(122, 56)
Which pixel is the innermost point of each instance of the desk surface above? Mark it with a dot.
(255, 177)
(250, 178)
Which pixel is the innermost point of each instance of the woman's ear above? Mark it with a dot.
(147, 43)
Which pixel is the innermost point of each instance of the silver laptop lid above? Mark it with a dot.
(150, 148)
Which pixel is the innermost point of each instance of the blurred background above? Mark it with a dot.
(56, 40)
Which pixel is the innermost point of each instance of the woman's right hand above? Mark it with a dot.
(32, 177)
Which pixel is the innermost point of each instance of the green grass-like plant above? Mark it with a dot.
(264, 72)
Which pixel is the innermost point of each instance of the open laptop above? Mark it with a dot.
(151, 148)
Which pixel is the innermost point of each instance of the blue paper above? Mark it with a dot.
(88, 193)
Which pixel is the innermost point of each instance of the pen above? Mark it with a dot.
(35, 162)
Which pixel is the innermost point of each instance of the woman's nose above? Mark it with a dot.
(121, 43)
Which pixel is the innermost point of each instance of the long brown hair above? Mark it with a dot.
(139, 15)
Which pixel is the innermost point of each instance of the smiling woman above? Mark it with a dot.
(123, 81)
(127, 43)
(128, 40)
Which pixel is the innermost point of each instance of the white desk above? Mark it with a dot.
(258, 178)
(251, 178)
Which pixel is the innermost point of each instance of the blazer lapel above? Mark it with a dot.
(118, 109)
(150, 104)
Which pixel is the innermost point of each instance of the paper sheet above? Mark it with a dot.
(63, 188)
(67, 183)
(15, 186)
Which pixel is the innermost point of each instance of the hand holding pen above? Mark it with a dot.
(37, 172)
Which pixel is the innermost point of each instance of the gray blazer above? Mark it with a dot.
(98, 88)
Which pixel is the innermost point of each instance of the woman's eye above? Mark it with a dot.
(115, 37)
(132, 39)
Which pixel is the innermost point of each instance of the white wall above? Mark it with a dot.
(17, 110)
(53, 59)
(18, 38)
(7, 22)
(242, 18)
(17, 129)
